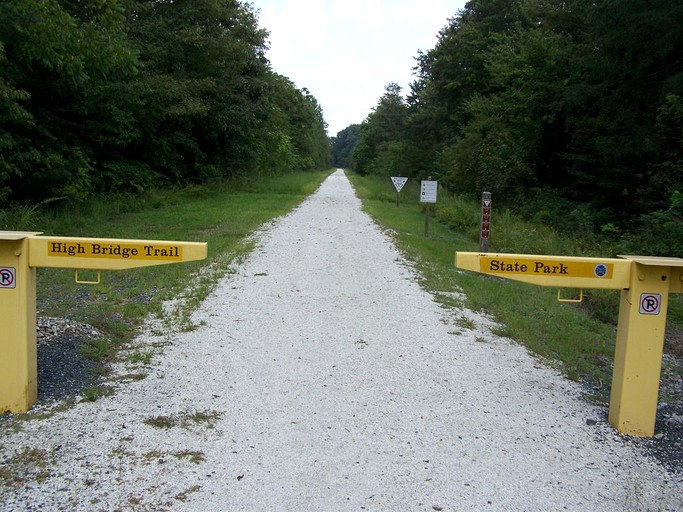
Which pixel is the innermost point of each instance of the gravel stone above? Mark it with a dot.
(63, 370)
(322, 377)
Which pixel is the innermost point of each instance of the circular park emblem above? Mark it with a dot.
(600, 270)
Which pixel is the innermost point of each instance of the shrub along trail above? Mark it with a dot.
(321, 377)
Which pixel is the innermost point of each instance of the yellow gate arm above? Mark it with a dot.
(109, 253)
(20, 254)
(645, 283)
(554, 271)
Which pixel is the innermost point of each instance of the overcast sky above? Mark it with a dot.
(346, 51)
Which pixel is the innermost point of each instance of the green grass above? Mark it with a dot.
(221, 214)
(579, 339)
(141, 357)
(93, 393)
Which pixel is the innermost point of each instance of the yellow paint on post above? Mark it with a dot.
(18, 355)
(638, 353)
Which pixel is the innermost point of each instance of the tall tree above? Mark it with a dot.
(121, 95)
(203, 86)
(343, 146)
(381, 142)
(53, 66)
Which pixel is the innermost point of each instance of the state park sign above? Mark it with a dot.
(546, 266)
(558, 271)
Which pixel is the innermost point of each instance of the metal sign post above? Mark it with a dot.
(485, 222)
(20, 254)
(398, 181)
(645, 284)
(428, 192)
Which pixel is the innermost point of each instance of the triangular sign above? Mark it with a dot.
(399, 181)
(487, 202)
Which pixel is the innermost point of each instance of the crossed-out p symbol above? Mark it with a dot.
(8, 277)
(650, 303)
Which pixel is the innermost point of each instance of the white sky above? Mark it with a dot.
(346, 51)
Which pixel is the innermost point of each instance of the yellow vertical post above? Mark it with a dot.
(18, 357)
(638, 354)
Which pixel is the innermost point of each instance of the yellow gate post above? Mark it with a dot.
(645, 283)
(18, 357)
(20, 254)
(640, 344)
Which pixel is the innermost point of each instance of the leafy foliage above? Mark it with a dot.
(578, 102)
(125, 95)
(343, 146)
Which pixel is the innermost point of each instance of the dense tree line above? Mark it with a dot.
(343, 145)
(122, 95)
(570, 109)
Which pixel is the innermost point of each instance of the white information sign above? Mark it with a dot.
(428, 191)
(399, 181)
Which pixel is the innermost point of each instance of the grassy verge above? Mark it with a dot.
(578, 339)
(222, 215)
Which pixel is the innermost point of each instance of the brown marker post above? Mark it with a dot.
(485, 222)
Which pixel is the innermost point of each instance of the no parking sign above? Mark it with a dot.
(8, 277)
(650, 303)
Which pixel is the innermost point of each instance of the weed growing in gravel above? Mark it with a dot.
(143, 357)
(195, 457)
(207, 418)
(131, 377)
(161, 421)
(120, 452)
(13, 422)
(96, 349)
(189, 327)
(182, 496)
(154, 455)
(30, 465)
(465, 323)
(92, 393)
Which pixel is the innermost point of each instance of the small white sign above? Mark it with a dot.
(650, 303)
(428, 192)
(399, 181)
(8, 277)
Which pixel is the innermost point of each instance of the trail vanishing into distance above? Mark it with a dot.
(322, 377)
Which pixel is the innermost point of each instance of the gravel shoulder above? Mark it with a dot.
(322, 377)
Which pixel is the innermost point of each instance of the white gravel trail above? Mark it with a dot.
(342, 386)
